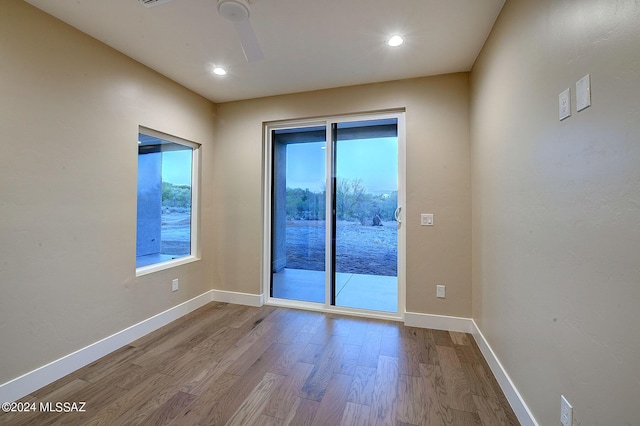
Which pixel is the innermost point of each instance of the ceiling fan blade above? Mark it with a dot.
(249, 41)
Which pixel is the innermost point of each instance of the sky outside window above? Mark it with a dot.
(306, 164)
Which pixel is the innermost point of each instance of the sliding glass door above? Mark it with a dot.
(333, 213)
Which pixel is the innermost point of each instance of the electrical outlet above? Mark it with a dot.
(174, 285)
(440, 293)
(566, 412)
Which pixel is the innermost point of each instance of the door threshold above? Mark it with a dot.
(339, 310)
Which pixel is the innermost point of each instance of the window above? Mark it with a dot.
(167, 183)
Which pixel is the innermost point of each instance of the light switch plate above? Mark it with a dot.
(440, 292)
(564, 104)
(583, 93)
(426, 219)
(566, 412)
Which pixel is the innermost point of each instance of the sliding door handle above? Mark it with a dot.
(396, 214)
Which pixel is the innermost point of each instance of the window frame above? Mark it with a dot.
(195, 203)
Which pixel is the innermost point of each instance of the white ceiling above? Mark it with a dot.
(308, 44)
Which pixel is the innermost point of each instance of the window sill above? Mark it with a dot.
(149, 269)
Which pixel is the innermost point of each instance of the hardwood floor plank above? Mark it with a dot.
(403, 332)
(437, 408)
(456, 382)
(463, 418)
(412, 400)
(355, 415)
(138, 403)
(329, 360)
(290, 357)
(408, 359)
(361, 391)
(252, 316)
(393, 336)
(114, 363)
(384, 404)
(314, 321)
(459, 338)
(477, 380)
(265, 338)
(201, 381)
(467, 354)
(289, 326)
(277, 366)
(357, 332)
(234, 353)
(128, 376)
(205, 408)
(332, 405)
(340, 325)
(171, 409)
(330, 327)
(426, 347)
(282, 400)
(189, 364)
(302, 412)
(218, 344)
(251, 408)
(381, 326)
(75, 386)
(312, 353)
(490, 411)
(173, 345)
(176, 327)
(441, 337)
(264, 420)
(391, 346)
(349, 360)
(230, 402)
(370, 349)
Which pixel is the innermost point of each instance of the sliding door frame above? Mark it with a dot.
(267, 197)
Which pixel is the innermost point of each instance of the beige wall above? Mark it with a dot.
(69, 114)
(556, 232)
(438, 181)
(556, 206)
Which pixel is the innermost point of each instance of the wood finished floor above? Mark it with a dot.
(237, 365)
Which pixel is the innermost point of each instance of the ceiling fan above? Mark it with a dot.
(237, 12)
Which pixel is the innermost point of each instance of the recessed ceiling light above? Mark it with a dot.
(395, 40)
(219, 71)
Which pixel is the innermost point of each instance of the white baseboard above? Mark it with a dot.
(237, 298)
(511, 393)
(34, 380)
(438, 322)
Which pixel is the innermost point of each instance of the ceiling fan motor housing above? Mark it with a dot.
(234, 10)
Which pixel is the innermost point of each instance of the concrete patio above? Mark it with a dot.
(371, 292)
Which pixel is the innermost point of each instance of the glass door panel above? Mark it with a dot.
(298, 214)
(365, 232)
